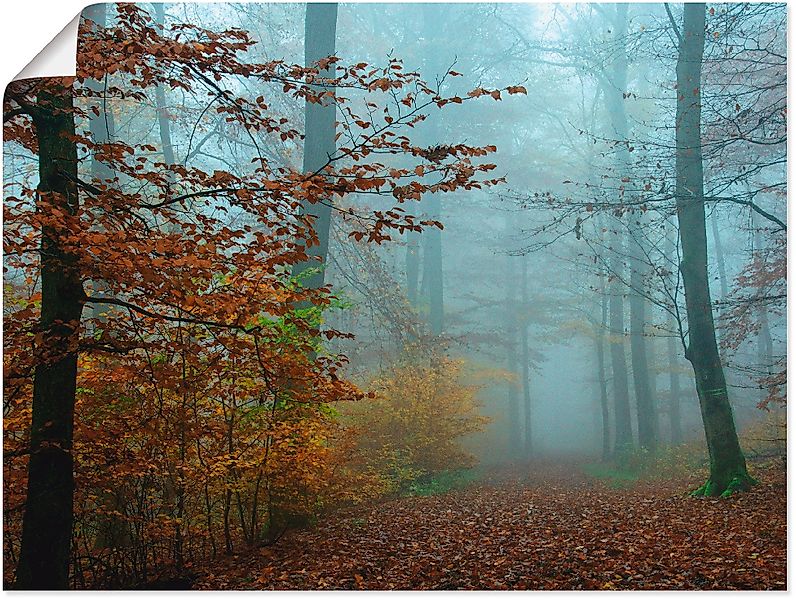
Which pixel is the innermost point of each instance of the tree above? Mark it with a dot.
(727, 463)
(47, 524)
(320, 28)
(191, 297)
(615, 94)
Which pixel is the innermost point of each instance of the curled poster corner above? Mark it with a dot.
(58, 58)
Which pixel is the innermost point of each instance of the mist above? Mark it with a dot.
(283, 275)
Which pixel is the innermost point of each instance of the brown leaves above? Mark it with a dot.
(548, 530)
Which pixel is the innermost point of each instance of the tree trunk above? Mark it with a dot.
(101, 126)
(47, 523)
(675, 419)
(601, 374)
(719, 250)
(412, 266)
(432, 263)
(434, 17)
(510, 332)
(727, 463)
(645, 403)
(525, 358)
(615, 91)
(765, 344)
(102, 129)
(320, 28)
(623, 440)
(164, 127)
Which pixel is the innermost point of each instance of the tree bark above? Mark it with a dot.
(728, 471)
(47, 522)
(320, 27)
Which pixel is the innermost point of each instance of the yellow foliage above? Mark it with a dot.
(415, 423)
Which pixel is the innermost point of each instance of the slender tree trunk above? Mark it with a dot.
(102, 129)
(727, 463)
(47, 523)
(101, 126)
(434, 17)
(645, 403)
(601, 372)
(765, 344)
(412, 266)
(526, 359)
(164, 126)
(675, 418)
(623, 439)
(675, 393)
(511, 331)
(615, 90)
(320, 27)
(719, 250)
(432, 262)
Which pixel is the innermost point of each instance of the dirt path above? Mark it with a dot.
(547, 534)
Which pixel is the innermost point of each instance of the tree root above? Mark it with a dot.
(713, 489)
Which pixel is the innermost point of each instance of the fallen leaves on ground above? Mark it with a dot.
(549, 530)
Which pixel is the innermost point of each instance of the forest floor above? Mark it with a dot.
(556, 528)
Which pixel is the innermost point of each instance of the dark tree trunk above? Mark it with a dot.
(47, 523)
(727, 463)
(320, 28)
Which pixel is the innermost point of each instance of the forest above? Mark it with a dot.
(399, 296)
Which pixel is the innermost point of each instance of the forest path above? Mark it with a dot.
(551, 532)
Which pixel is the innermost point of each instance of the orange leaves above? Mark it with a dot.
(384, 84)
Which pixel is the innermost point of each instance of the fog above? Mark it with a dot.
(269, 263)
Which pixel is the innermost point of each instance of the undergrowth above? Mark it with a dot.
(443, 482)
(674, 462)
(763, 442)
